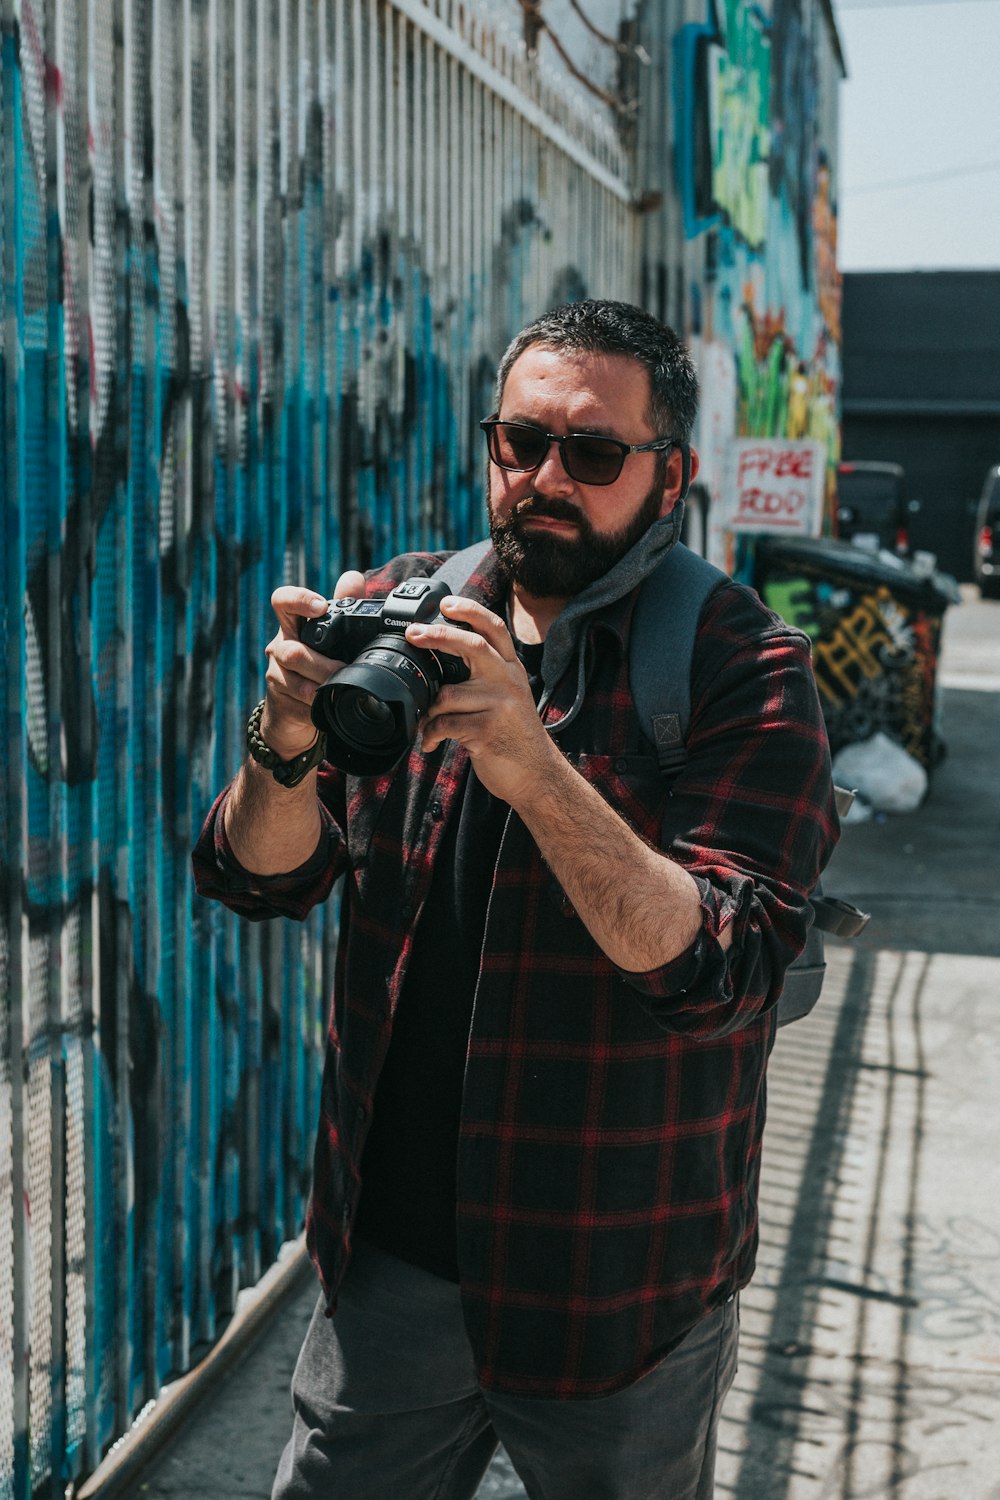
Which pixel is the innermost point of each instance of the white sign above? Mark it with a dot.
(775, 484)
(714, 432)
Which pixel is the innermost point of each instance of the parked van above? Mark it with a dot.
(871, 503)
(986, 545)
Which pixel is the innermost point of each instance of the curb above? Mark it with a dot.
(155, 1426)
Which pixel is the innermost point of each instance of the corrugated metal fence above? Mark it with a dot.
(259, 259)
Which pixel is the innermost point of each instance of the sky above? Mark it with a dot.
(919, 135)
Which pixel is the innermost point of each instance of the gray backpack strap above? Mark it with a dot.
(664, 627)
(456, 570)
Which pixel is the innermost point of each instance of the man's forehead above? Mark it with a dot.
(614, 381)
(579, 359)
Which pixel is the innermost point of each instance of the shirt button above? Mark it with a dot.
(621, 765)
(437, 809)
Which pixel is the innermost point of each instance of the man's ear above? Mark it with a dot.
(692, 463)
(682, 470)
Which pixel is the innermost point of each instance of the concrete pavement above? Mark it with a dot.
(871, 1335)
(870, 1356)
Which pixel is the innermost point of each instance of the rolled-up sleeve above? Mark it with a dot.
(219, 875)
(751, 817)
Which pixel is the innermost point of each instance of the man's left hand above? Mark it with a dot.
(493, 714)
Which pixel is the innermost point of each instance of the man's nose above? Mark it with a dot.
(551, 477)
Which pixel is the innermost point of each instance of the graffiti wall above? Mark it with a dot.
(743, 249)
(259, 258)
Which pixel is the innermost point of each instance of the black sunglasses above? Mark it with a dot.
(587, 458)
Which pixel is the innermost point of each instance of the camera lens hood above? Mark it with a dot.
(359, 739)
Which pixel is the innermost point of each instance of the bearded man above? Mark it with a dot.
(535, 1181)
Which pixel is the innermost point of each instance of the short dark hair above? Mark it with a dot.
(604, 327)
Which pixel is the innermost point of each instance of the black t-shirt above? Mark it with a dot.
(408, 1168)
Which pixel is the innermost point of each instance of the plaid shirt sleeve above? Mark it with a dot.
(752, 818)
(219, 875)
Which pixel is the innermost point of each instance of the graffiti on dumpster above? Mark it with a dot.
(874, 657)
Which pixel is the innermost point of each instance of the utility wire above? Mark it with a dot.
(903, 182)
(902, 4)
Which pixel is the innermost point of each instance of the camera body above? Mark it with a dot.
(351, 624)
(371, 708)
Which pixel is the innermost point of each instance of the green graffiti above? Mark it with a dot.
(740, 111)
(763, 385)
(793, 600)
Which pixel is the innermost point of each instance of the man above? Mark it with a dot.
(535, 1181)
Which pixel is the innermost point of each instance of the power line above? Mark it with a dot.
(904, 182)
(902, 4)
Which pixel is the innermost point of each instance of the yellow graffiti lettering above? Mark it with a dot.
(851, 650)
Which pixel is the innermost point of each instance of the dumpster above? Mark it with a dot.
(875, 623)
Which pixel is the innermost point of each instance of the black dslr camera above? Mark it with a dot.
(370, 709)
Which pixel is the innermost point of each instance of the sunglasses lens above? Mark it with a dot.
(592, 460)
(589, 460)
(515, 447)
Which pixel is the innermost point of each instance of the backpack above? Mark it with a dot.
(676, 590)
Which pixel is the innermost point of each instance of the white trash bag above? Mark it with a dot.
(885, 776)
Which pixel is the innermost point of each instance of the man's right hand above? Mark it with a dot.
(294, 671)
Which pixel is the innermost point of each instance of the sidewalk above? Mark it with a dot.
(870, 1356)
(870, 1335)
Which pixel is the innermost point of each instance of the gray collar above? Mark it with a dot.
(563, 639)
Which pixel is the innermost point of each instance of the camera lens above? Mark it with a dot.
(363, 719)
(371, 708)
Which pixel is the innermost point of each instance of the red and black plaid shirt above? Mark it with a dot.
(611, 1125)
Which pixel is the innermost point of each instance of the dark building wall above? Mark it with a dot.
(921, 388)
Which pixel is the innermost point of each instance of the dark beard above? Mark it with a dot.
(557, 567)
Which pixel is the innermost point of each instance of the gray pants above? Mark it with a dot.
(387, 1407)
